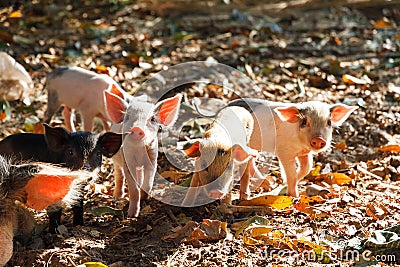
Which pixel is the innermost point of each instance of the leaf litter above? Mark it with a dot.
(294, 52)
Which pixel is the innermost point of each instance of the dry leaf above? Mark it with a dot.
(376, 210)
(341, 146)
(383, 23)
(277, 202)
(349, 79)
(313, 199)
(15, 15)
(310, 210)
(340, 178)
(316, 171)
(389, 148)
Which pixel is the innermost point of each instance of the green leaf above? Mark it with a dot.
(256, 220)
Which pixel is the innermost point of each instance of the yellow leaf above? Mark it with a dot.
(277, 202)
(340, 178)
(258, 234)
(16, 14)
(389, 148)
(102, 69)
(316, 170)
(313, 199)
(352, 80)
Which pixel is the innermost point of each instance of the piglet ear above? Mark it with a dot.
(49, 186)
(55, 137)
(113, 89)
(340, 112)
(167, 110)
(289, 114)
(116, 107)
(109, 143)
(192, 149)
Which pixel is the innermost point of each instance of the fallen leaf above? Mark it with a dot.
(100, 211)
(207, 230)
(312, 199)
(316, 171)
(349, 79)
(253, 220)
(389, 148)
(102, 69)
(340, 178)
(310, 210)
(383, 23)
(376, 210)
(341, 146)
(15, 15)
(277, 202)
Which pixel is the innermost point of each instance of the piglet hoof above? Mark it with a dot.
(133, 212)
(117, 194)
(227, 199)
(293, 193)
(244, 196)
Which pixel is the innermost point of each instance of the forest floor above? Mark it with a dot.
(293, 51)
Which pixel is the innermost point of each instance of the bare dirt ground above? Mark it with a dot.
(294, 51)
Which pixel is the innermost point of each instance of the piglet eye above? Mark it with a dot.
(221, 152)
(303, 123)
(70, 152)
(329, 123)
(153, 120)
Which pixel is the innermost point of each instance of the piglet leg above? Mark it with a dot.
(54, 212)
(134, 193)
(192, 192)
(87, 120)
(68, 115)
(305, 163)
(118, 175)
(289, 173)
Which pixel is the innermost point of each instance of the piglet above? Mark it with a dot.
(223, 143)
(35, 185)
(78, 89)
(295, 132)
(78, 150)
(137, 160)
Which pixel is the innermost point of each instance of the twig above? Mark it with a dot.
(171, 215)
(71, 261)
(87, 253)
(365, 171)
(171, 258)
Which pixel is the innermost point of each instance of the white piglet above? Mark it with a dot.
(137, 159)
(79, 89)
(295, 132)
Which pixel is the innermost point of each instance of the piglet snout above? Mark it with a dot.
(318, 143)
(137, 133)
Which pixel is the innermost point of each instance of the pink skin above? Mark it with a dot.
(82, 90)
(301, 130)
(136, 162)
